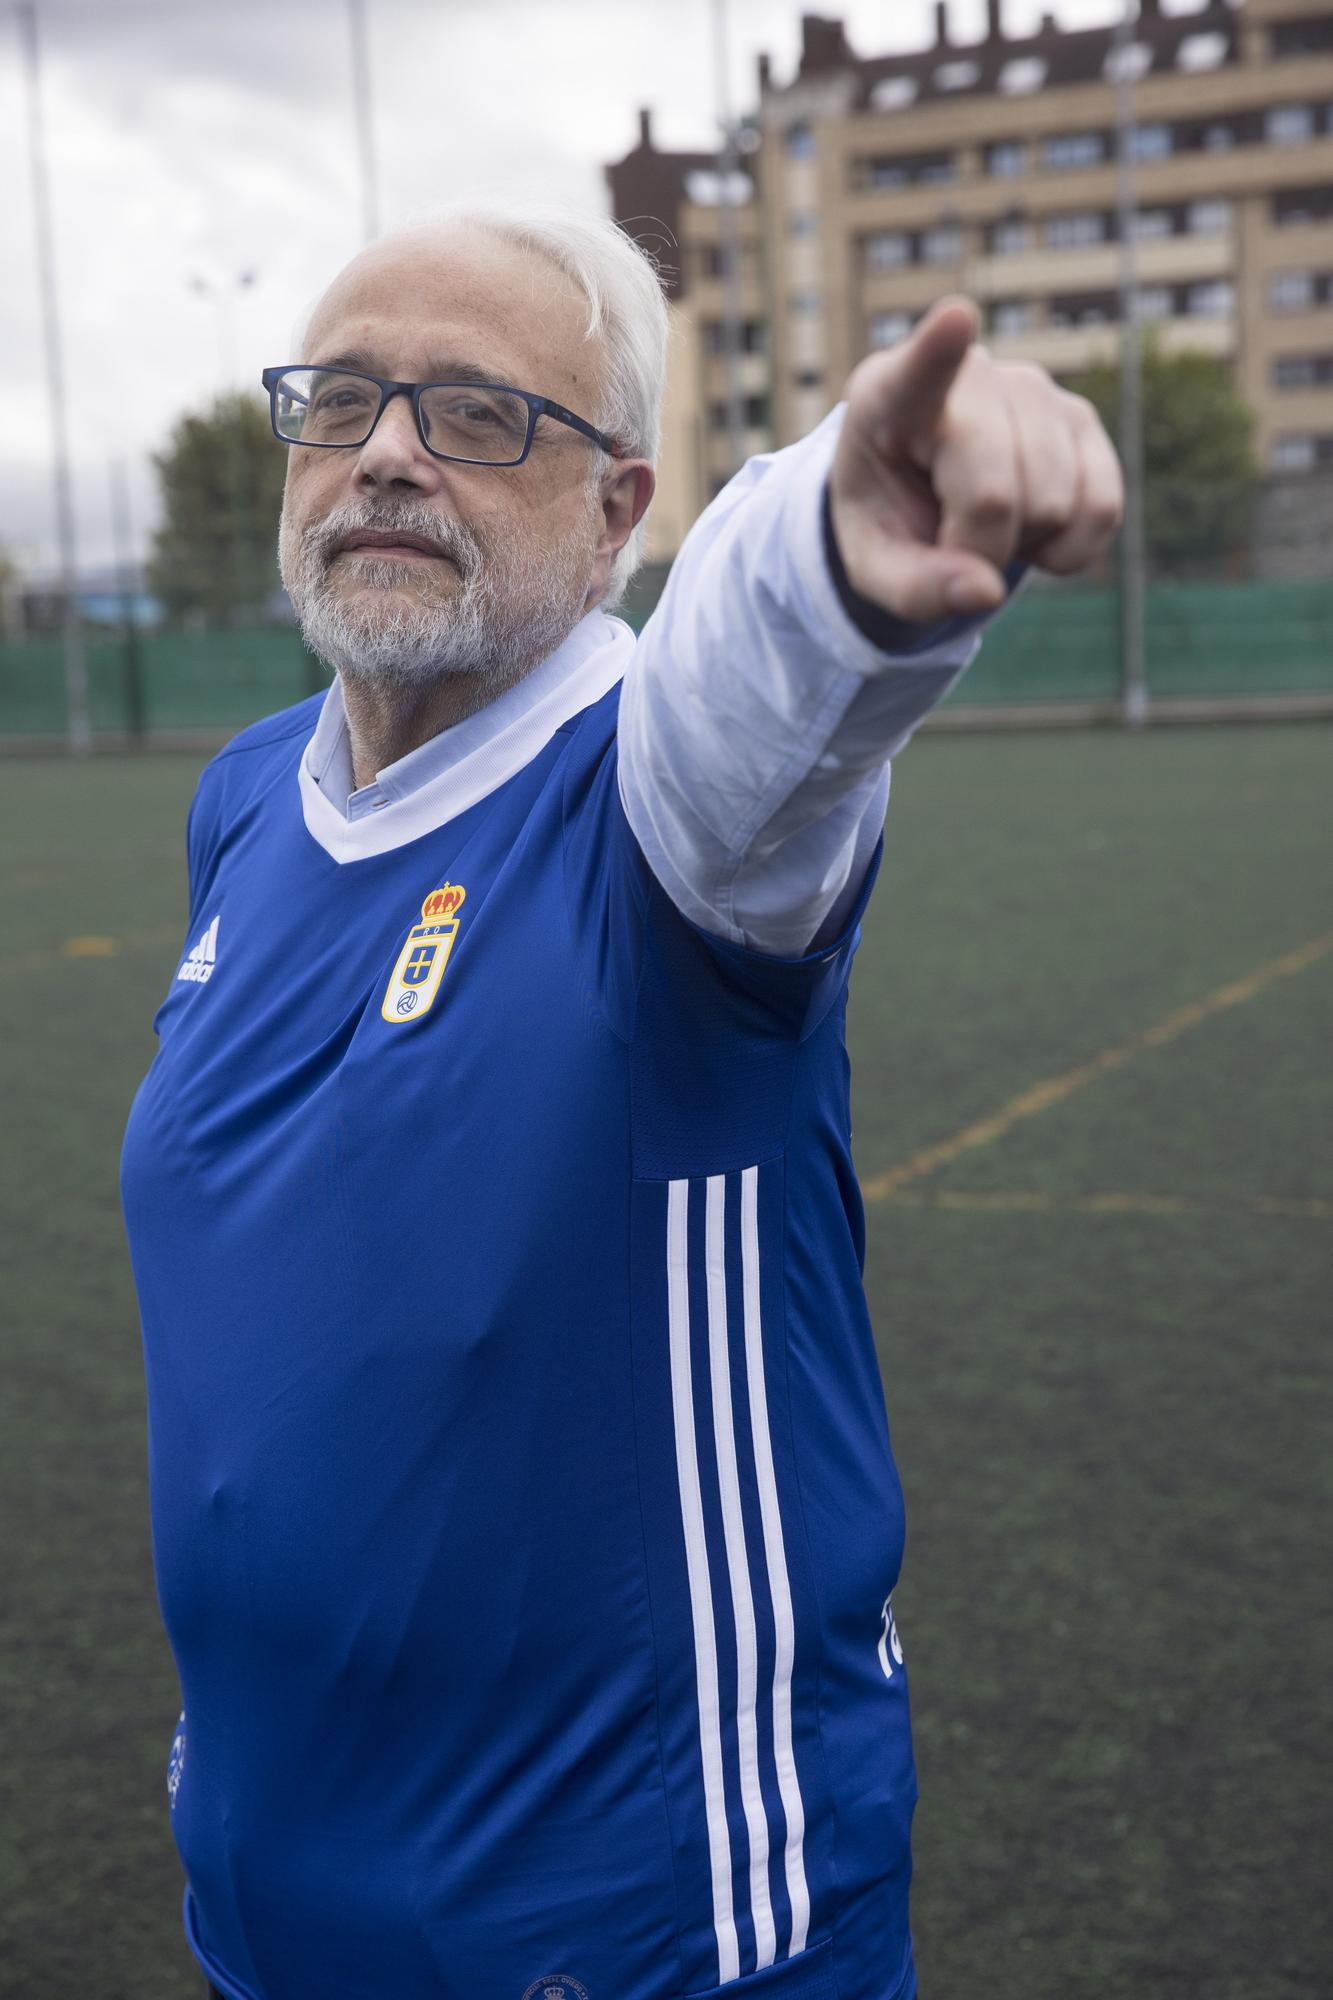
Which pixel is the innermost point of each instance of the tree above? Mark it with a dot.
(221, 478)
(1200, 472)
(9, 578)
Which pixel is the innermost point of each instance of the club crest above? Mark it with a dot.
(416, 977)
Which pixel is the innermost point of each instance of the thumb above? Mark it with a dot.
(905, 399)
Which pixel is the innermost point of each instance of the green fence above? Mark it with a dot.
(1206, 642)
(1057, 644)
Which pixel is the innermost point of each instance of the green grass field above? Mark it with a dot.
(1104, 1321)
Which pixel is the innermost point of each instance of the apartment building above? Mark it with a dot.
(872, 184)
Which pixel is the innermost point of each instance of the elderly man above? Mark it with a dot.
(524, 1512)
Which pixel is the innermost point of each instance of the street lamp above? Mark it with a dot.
(224, 298)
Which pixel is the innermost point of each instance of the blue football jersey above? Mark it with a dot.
(523, 1508)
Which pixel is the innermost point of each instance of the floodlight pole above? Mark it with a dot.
(729, 235)
(225, 299)
(365, 126)
(1133, 675)
(78, 726)
(122, 536)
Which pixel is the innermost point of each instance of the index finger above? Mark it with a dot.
(909, 398)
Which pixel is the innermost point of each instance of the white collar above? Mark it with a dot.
(442, 778)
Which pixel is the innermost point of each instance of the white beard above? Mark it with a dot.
(509, 609)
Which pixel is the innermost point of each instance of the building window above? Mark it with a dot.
(1151, 223)
(888, 328)
(1011, 236)
(753, 336)
(711, 259)
(754, 410)
(888, 250)
(1073, 149)
(893, 93)
(1082, 309)
(959, 75)
(910, 170)
(1022, 74)
(1297, 451)
(1210, 216)
(1297, 205)
(1012, 316)
(1153, 302)
(1150, 142)
(1203, 51)
(709, 190)
(1218, 138)
(799, 143)
(803, 223)
(1008, 159)
(809, 378)
(1289, 124)
(1291, 291)
(1301, 38)
(1074, 231)
(1130, 62)
(1295, 371)
(1216, 300)
(806, 303)
(942, 245)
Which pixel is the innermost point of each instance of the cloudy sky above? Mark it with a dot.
(194, 142)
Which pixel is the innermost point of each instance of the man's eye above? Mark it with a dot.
(339, 399)
(472, 412)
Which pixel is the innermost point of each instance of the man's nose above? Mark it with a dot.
(393, 454)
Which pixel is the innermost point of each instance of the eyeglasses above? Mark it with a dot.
(476, 423)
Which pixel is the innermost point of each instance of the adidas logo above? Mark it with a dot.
(199, 965)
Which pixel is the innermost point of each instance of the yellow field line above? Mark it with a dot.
(87, 947)
(1017, 1202)
(1055, 1089)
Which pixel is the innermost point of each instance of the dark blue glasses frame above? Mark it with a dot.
(538, 406)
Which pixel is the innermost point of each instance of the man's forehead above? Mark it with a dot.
(417, 302)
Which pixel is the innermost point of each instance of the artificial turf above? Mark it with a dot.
(1104, 1335)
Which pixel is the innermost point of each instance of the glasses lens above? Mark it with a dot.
(325, 406)
(489, 426)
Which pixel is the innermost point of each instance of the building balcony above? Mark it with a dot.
(1245, 171)
(1064, 350)
(1160, 261)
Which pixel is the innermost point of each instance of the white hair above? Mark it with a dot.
(627, 313)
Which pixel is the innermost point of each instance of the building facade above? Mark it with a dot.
(871, 185)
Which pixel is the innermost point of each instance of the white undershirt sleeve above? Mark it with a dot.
(757, 721)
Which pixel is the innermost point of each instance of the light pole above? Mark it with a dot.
(1133, 673)
(76, 665)
(224, 298)
(729, 238)
(365, 119)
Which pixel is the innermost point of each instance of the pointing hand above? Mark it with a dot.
(951, 463)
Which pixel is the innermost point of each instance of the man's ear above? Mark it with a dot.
(627, 487)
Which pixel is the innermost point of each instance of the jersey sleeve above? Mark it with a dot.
(762, 707)
(714, 1028)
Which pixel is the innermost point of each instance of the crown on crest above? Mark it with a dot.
(446, 902)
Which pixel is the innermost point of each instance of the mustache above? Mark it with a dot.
(320, 540)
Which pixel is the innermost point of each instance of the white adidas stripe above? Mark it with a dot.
(701, 1594)
(738, 1573)
(775, 1558)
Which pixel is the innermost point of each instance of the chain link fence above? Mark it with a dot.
(1238, 617)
